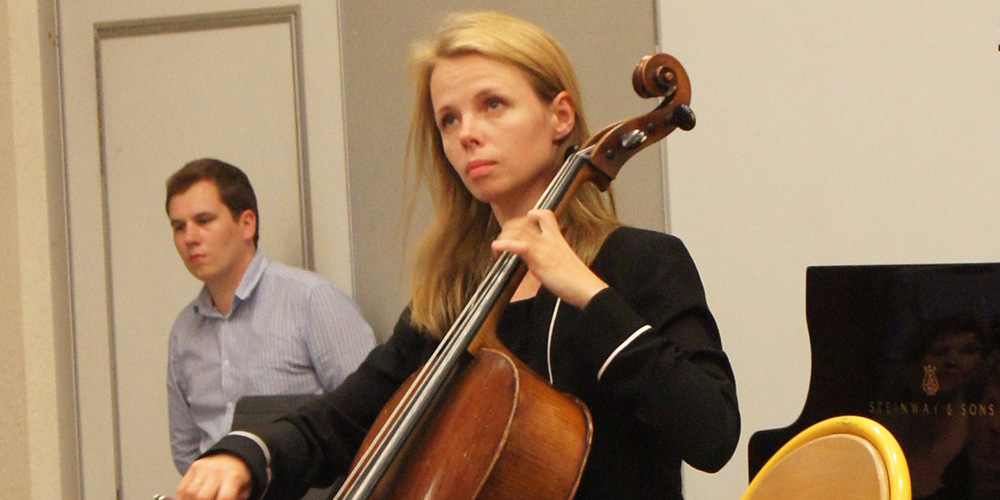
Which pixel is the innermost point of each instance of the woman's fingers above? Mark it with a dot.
(546, 221)
(233, 490)
(537, 239)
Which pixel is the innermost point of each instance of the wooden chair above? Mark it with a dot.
(842, 458)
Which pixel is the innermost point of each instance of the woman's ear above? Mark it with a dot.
(563, 115)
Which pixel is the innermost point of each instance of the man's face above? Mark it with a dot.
(215, 248)
(955, 356)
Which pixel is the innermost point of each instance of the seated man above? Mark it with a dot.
(257, 327)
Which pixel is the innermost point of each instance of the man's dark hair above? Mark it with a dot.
(234, 186)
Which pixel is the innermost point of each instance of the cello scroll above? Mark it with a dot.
(657, 75)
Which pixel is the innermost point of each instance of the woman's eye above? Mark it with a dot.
(494, 103)
(445, 121)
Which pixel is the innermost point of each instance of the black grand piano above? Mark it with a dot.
(914, 347)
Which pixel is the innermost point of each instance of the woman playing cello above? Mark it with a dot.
(613, 315)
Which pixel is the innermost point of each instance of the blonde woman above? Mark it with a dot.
(614, 315)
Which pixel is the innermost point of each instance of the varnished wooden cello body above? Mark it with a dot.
(475, 422)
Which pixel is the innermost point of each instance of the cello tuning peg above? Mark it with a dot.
(683, 117)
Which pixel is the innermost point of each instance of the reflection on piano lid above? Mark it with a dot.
(914, 348)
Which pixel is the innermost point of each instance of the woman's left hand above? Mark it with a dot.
(536, 238)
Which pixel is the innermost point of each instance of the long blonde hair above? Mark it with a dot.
(454, 255)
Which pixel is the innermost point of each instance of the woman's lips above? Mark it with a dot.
(476, 168)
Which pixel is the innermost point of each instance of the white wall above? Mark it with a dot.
(828, 133)
(36, 380)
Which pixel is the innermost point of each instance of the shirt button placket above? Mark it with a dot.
(227, 377)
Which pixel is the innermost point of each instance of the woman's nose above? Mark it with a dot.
(469, 133)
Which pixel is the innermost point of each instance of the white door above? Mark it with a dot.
(149, 86)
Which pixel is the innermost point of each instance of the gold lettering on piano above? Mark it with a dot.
(916, 408)
(980, 409)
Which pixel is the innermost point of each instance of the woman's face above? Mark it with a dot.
(498, 135)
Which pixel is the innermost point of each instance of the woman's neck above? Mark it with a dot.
(517, 204)
(527, 289)
(507, 211)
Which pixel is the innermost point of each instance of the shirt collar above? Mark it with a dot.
(251, 277)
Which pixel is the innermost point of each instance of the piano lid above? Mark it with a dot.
(914, 348)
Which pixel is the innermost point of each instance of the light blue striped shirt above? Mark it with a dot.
(289, 332)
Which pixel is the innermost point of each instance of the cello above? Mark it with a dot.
(438, 437)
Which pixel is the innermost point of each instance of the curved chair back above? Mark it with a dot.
(842, 458)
